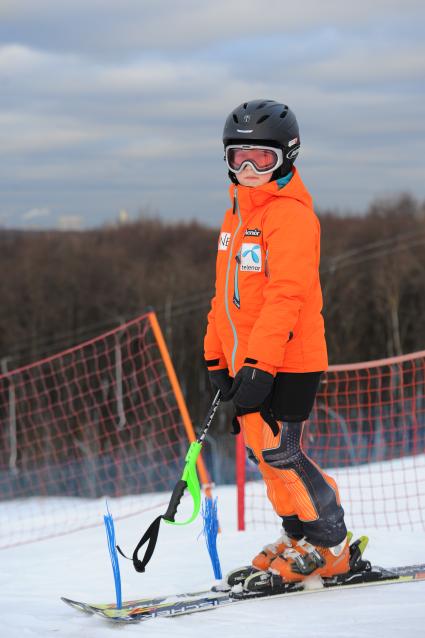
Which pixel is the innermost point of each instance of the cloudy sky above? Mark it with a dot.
(108, 105)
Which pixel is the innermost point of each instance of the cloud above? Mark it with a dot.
(111, 105)
(16, 58)
(32, 135)
(36, 212)
(358, 66)
(105, 28)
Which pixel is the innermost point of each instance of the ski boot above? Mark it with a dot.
(288, 571)
(305, 559)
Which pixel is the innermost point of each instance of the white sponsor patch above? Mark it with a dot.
(224, 241)
(292, 142)
(251, 257)
(252, 232)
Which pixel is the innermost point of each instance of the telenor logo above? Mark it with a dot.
(251, 258)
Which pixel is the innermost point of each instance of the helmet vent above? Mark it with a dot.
(235, 118)
(245, 105)
(284, 112)
(263, 118)
(261, 106)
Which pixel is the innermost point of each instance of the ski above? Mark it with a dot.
(182, 604)
(91, 609)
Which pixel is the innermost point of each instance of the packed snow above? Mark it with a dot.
(34, 576)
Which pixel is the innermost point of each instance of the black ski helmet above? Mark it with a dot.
(268, 123)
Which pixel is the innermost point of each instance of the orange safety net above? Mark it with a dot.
(367, 430)
(99, 419)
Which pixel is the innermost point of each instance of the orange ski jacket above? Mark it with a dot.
(268, 301)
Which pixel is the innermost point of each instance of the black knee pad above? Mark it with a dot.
(287, 454)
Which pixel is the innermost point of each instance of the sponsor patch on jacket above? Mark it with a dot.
(224, 241)
(251, 257)
(252, 232)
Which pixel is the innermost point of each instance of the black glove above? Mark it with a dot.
(221, 380)
(250, 388)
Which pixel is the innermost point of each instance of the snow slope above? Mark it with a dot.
(34, 576)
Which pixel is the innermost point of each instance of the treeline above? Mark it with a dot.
(373, 278)
(60, 288)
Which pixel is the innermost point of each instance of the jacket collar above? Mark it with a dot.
(251, 197)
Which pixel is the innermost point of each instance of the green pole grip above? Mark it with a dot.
(189, 480)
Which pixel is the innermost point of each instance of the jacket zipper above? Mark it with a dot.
(226, 287)
(236, 296)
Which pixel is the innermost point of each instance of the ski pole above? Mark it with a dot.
(189, 480)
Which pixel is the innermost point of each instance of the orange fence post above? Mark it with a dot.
(203, 472)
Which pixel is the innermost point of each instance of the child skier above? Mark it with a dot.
(265, 346)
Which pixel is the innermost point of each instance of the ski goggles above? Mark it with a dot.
(262, 159)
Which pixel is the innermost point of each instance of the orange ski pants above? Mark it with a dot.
(291, 491)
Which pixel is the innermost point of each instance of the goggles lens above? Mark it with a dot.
(263, 159)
